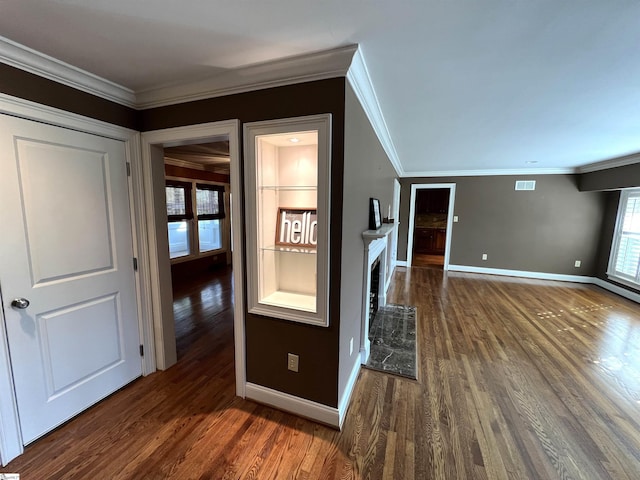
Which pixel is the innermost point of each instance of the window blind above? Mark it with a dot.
(626, 252)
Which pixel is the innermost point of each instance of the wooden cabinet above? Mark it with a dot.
(430, 241)
(440, 241)
(287, 167)
(432, 200)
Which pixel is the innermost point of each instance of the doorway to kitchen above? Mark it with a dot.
(430, 225)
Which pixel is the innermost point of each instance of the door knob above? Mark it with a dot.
(20, 303)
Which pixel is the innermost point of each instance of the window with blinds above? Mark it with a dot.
(210, 209)
(188, 239)
(624, 263)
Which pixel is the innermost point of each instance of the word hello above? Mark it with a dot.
(297, 227)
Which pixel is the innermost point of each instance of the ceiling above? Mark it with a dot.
(465, 86)
(213, 156)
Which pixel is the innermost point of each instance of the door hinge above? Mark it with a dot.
(135, 264)
(142, 350)
(128, 169)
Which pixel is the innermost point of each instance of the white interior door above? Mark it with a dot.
(65, 247)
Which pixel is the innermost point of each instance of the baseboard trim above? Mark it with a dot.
(623, 292)
(292, 404)
(348, 391)
(401, 263)
(522, 274)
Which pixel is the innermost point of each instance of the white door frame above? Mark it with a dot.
(11, 444)
(397, 188)
(412, 213)
(164, 330)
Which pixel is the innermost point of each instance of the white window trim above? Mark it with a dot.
(615, 245)
(194, 239)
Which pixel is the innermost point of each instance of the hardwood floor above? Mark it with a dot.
(425, 260)
(517, 379)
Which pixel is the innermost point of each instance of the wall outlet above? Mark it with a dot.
(351, 346)
(455, 218)
(292, 362)
(484, 256)
(577, 264)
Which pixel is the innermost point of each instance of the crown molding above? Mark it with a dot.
(494, 172)
(32, 61)
(611, 163)
(286, 71)
(276, 73)
(360, 80)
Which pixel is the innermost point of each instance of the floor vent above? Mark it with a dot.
(525, 184)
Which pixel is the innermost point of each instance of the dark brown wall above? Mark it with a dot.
(18, 83)
(610, 179)
(185, 271)
(606, 234)
(545, 230)
(269, 340)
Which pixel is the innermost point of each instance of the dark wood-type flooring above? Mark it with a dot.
(517, 379)
(426, 260)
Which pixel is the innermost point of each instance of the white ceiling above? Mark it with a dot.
(464, 85)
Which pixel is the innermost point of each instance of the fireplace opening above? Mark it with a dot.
(374, 293)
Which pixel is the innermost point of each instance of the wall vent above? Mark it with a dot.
(525, 184)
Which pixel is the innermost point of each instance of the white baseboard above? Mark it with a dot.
(401, 263)
(623, 292)
(348, 391)
(521, 273)
(290, 403)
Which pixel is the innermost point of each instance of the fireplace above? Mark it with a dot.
(374, 291)
(378, 264)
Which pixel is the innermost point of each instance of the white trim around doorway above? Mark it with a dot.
(412, 212)
(200, 133)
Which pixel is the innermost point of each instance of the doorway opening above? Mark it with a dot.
(430, 223)
(199, 229)
(195, 238)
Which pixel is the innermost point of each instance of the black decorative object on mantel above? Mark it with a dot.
(375, 218)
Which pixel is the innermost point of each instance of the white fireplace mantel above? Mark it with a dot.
(376, 244)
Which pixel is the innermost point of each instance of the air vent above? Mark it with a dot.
(525, 184)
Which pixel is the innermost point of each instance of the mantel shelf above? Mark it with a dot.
(383, 231)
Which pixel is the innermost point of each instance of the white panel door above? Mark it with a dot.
(65, 247)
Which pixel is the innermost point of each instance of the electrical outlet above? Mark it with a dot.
(292, 363)
(484, 256)
(351, 346)
(577, 264)
(455, 218)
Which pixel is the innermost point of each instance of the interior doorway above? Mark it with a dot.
(209, 248)
(199, 230)
(430, 223)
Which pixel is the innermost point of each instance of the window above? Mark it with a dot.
(210, 208)
(208, 205)
(179, 214)
(624, 264)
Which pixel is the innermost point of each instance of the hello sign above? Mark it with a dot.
(297, 226)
